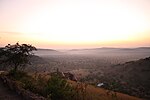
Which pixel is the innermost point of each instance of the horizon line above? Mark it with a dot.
(97, 48)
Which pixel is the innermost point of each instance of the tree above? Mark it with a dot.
(16, 55)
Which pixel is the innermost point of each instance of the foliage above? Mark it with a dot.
(17, 75)
(54, 88)
(16, 55)
(29, 84)
(59, 89)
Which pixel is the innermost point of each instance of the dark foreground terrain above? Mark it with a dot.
(7, 94)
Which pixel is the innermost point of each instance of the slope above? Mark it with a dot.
(131, 77)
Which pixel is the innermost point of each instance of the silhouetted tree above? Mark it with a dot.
(16, 55)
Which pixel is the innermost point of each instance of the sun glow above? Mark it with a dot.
(83, 22)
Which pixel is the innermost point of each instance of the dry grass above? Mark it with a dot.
(95, 93)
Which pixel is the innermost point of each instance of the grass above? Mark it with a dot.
(57, 88)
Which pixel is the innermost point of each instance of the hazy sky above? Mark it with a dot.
(64, 24)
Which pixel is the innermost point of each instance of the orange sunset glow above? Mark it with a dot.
(67, 24)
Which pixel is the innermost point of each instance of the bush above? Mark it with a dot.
(28, 84)
(59, 89)
(17, 75)
(55, 88)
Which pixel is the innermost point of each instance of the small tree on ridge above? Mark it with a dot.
(16, 55)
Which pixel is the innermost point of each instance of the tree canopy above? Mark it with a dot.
(16, 55)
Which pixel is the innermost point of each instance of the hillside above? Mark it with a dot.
(99, 66)
(83, 91)
(95, 93)
(132, 77)
(7, 94)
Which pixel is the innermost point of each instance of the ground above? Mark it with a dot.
(7, 94)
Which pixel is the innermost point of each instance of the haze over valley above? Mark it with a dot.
(97, 65)
(99, 45)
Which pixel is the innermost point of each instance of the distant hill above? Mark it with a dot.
(46, 52)
(135, 74)
(140, 52)
(131, 53)
(109, 49)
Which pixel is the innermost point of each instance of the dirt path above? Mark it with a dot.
(7, 94)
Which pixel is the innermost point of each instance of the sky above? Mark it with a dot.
(69, 24)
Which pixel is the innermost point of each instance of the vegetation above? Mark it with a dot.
(16, 55)
(131, 78)
(53, 88)
(58, 89)
(91, 72)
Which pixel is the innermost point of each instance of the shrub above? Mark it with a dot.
(59, 89)
(55, 88)
(17, 75)
(28, 84)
